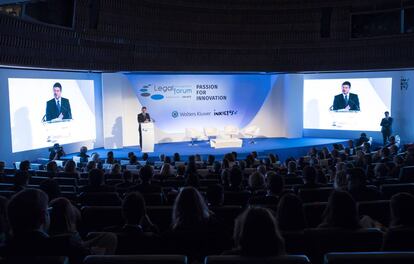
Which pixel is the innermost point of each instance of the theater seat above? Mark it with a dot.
(231, 259)
(153, 198)
(399, 239)
(370, 258)
(388, 190)
(377, 210)
(96, 218)
(294, 242)
(133, 259)
(407, 174)
(322, 241)
(36, 260)
(100, 199)
(160, 216)
(310, 195)
(313, 213)
(236, 198)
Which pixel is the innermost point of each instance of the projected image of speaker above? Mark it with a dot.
(51, 111)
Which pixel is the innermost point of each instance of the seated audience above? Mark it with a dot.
(357, 187)
(256, 234)
(63, 219)
(290, 213)
(256, 182)
(194, 231)
(24, 165)
(146, 185)
(2, 171)
(116, 172)
(91, 165)
(128, 182)
(176, 157)
(96, 183)
(292, 169)
(138, 235)
(399, 236)
(110, 159)
(70, 170)
(165, 172)
(381, 171)
(274, 189)
(56, 152)
(362, 139)
(215, 195)
(29, 220)
(180, 172)
(210, 160)
(234, 179)
(309, 176)
(4, 223)
(51, 186)
(341, 212)
(21, 180)
(82, 154)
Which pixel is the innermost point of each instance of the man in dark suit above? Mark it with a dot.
(58, 107)
(143, 117)
(386, 127)
(346, 100)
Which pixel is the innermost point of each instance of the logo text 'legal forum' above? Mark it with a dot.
(162, 90)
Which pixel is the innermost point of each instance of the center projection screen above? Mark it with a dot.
(324, 102)
(37, 122)
(177, 102)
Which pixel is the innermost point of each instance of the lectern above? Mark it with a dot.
(147, 133)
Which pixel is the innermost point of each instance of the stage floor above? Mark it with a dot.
(284, 147)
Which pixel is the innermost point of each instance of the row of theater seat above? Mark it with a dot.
(330, 258)
(95, 218)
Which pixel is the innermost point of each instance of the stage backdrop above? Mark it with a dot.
(180, 101)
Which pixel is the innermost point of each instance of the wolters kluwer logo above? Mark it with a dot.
(145, 93)
(174, 114)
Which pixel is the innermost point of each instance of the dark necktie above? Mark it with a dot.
(58, 106)
(346, 99)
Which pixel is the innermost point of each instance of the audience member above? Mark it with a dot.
(50, 186)
(290, 213)
(4, 221)
(63, 219)
(341, 212)
(21, 180)
(195, 231)
(110, 159)
(24, 165)
(357, 187)
(399, 237)
(362, 140)
(146, 185)
(128, 182)
(292, 169)
(29, 220)
(138, 235)
(256, 182)
(256, 234)
(116, 172)
(215, 195)
(309, 177)
(83, 154)
(96, 183)
(70, 169)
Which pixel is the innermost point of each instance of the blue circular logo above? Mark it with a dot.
(157, 96)
(174, 114)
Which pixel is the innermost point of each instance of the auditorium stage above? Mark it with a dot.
(284, 147)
